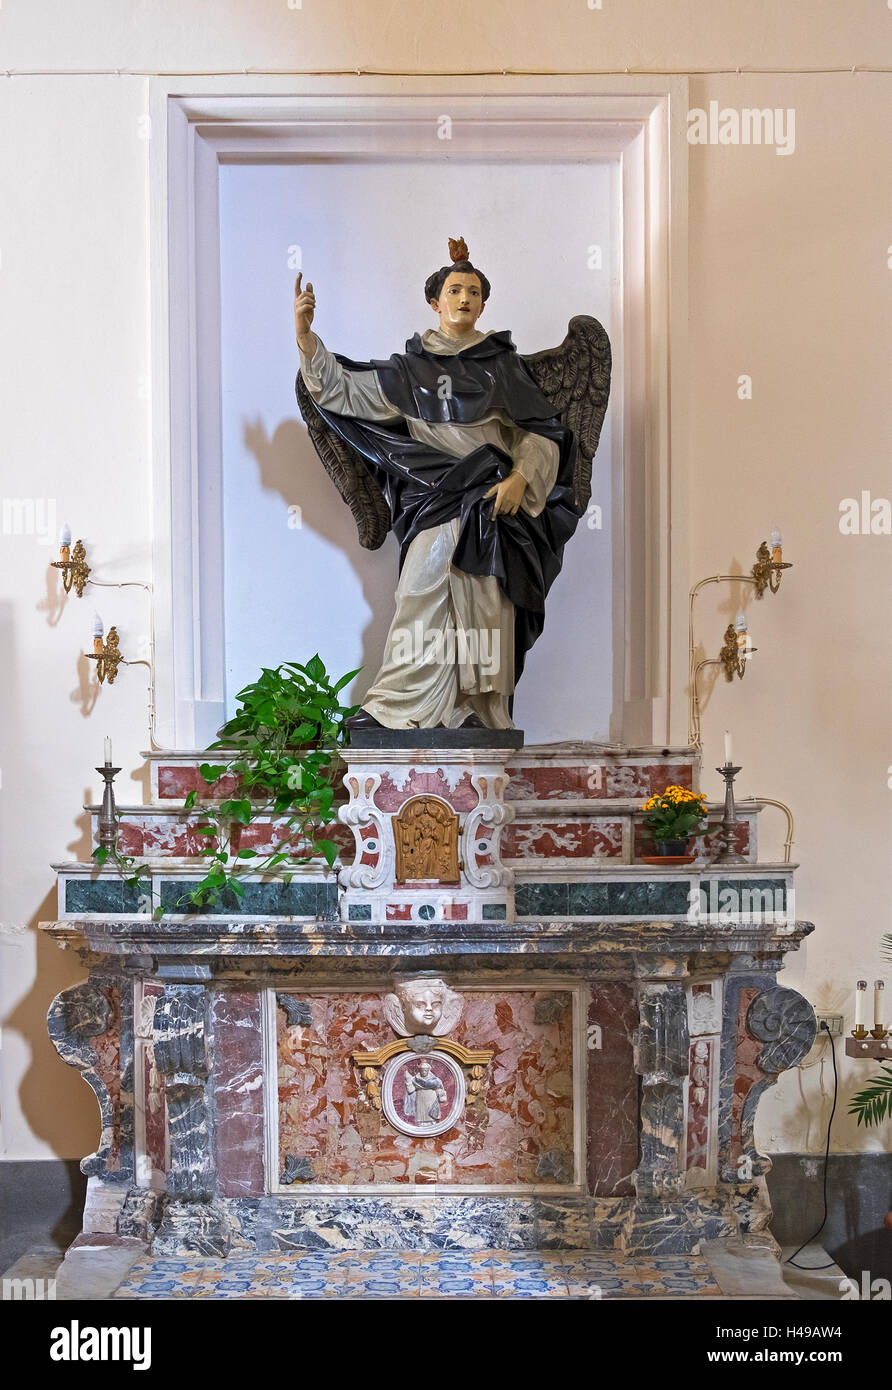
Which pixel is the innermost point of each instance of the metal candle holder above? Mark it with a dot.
(768, 569)
(727, 853)
(107, 656)
(108, 815)
(74, 567)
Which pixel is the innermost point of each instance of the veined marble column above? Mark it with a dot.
(661, 1060)
(191, 1219)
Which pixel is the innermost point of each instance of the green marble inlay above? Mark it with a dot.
(102, 895)
(542, 899)
(359, 912)
(750, 896)
(588, 899)
(604, 899)
(494, 912)
(260, 900)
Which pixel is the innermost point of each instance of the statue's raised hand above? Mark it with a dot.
(304, 308)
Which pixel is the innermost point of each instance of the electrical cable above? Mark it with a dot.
(791, 1260)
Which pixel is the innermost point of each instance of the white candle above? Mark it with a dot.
(860, 997)
(98, 629)
(108, 752)
(878, 1009)
(728, 755)
(65, 535)
(741, 623)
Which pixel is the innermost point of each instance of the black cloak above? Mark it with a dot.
(424, 487)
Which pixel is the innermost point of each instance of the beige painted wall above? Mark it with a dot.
(789, 283)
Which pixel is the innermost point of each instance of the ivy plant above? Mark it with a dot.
(279, 754)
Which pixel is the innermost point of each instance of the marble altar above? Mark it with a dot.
(631, 1014)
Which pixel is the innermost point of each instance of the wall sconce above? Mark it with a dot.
(106, 654)
(766, 571)
(737, 648)
(74, 567)
(765, 574)
(735, 652)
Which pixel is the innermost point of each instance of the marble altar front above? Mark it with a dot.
(629, 1017)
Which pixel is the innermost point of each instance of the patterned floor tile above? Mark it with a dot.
(525, 1261)
(389, 1274)
(385, 1274)
(681, 1264)
(581, 1284)
(529, 1274)
(454, 1275)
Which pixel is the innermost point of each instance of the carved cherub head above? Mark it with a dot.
(423, 1006)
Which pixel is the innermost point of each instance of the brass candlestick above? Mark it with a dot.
(74, 567)
(767, 570)
(108, 815)
(728, 854)
(107, 656)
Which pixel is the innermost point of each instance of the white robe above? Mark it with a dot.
(450, 649)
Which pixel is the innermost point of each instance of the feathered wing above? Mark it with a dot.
(575, 377)
(348, 471)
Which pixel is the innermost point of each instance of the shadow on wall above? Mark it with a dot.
(289, 466)
(58, 1106)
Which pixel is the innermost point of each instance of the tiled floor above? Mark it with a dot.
(409, 1274)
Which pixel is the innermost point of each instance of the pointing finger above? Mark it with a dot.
(297, 282)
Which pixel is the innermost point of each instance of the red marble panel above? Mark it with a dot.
(582, 839)
(702, 1060)
(746, 1070)
(426, 782)
(594, 781)
(163, 837)
(176, 781)
(554, 783)
(325, 1114)
(107, 1047)
(612, 1090)
(238, 1094)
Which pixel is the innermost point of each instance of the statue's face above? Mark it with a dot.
(425, 1069)
(422, 1004)
(460, 303)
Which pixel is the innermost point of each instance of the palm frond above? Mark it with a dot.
(874, 1103)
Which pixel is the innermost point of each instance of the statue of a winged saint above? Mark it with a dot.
(480, 461)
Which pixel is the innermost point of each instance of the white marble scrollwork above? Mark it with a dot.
(490, 811)
(359, 814)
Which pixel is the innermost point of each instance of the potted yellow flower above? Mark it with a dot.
(673, 818)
